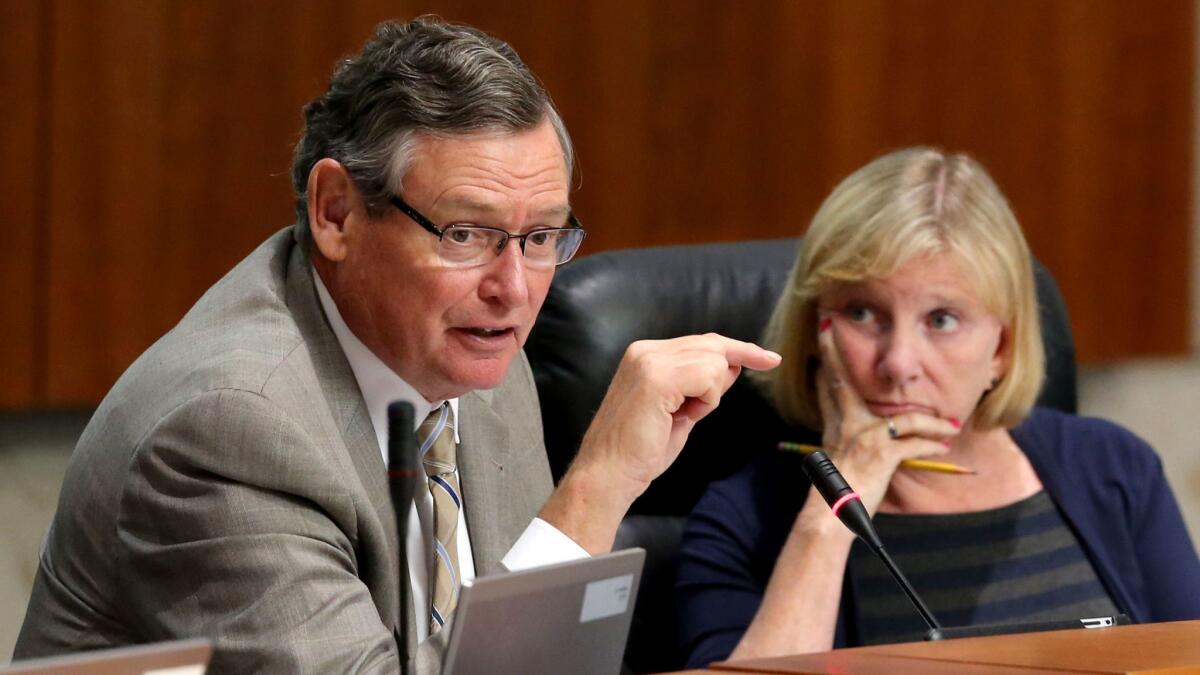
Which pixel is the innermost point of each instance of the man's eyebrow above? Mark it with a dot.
(465, 203)
(560, 211)
(471, 205)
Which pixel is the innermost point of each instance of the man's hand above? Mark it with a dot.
(661, 389)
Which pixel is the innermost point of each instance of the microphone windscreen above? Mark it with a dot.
(825, 476)
(401, 440)
(841, 497)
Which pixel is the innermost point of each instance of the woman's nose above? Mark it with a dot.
(900, 359)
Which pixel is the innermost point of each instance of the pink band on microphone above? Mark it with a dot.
(837, 506)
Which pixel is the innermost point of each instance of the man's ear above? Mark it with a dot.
(332, 197)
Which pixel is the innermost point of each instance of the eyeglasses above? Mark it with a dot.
(467, 245)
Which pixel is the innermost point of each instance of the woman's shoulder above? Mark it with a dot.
(1050, 423)
(1064, 441)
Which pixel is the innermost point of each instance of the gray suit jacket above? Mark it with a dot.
(230, 486)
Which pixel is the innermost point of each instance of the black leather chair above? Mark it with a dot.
(599, 304)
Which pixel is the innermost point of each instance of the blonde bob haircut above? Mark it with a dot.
(907, 205)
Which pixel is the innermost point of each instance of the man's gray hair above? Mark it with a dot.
(424, 77)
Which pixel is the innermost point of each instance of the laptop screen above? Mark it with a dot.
(181, 657)
(572, 617)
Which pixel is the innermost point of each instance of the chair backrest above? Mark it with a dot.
(600, 304)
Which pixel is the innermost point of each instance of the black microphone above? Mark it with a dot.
(848, 507)
(403, 469)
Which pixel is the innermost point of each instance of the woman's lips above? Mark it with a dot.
(888, 409)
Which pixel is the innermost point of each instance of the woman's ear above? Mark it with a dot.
(1001, 359)
(331, 199)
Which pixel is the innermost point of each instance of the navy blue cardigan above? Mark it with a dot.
(1107, 482)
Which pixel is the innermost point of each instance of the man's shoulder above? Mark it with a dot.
(244, 333)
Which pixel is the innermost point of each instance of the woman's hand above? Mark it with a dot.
(866, 448)
(800, 606)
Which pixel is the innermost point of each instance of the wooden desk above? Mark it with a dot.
(1149, 648)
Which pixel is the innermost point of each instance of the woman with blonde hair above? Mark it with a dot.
(909, 329)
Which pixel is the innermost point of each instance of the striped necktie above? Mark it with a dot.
(438, 457)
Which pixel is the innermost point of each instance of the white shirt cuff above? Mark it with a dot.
(541, 544)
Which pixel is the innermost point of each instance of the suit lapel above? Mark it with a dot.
(495, 499)
(349, 413)
(338, 384)
(483, 450)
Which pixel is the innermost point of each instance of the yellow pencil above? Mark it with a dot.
(919, 464)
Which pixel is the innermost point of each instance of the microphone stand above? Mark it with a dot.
(403, 468)
(908, 589)
(848, 507)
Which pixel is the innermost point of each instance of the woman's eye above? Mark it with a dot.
(943, 321)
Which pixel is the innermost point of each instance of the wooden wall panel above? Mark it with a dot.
(173, 162)
(742, 117)
(168, 129)
(21, 172)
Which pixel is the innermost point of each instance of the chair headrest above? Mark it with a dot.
(600, 304)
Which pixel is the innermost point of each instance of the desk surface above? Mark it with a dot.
(1147, 648)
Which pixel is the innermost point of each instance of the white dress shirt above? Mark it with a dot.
(540, 544)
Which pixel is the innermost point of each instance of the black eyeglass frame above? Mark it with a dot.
(439, 232)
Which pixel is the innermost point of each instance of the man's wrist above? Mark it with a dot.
(587, 506)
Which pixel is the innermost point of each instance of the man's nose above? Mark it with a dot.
(505, 279)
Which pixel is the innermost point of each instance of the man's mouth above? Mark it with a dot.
(487, 332)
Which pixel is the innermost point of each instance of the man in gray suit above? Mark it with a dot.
(233, 484)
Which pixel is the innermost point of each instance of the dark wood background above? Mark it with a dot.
(146, 143)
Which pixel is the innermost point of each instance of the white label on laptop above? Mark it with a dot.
(605, 598)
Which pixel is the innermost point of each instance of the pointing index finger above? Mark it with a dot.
(736, 352)
(750, 355)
